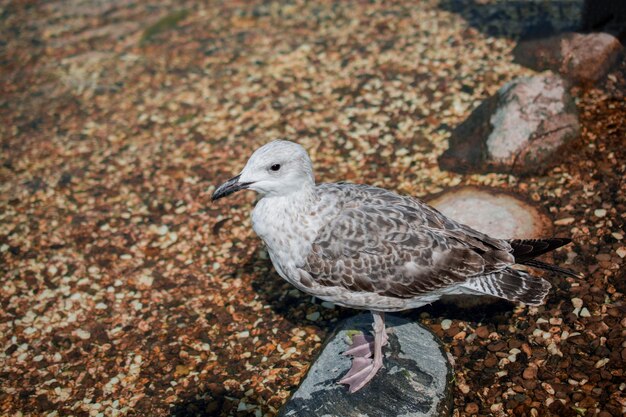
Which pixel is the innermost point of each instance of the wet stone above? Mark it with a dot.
(522, 129)
(491, 211)
(413, 380)
(580, 58)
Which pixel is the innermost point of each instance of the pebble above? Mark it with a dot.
(564, 221)
(464, 388)
(83, 334)
(548, 388)
(601, 363)
(554, 350)
(603, 257)
(577, 302)
(496, 408)
(530, 372)
(482, 332)
(471, 408)
(584, 312)
(446, 323)
(600, 213)
(313, 316)
(621, 251)
(460, 336)
(145, 280)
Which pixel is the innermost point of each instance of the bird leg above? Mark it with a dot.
(362, 345)
(363, 367)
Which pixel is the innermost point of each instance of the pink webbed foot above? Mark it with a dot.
(362, 348)
(361, 372)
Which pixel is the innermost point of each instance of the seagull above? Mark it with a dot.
(366, 247)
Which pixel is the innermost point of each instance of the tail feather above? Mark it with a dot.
(512, 285)
(525, 249)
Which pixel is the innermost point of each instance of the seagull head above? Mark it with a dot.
(276, 169)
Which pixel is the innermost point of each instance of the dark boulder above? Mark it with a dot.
(580, 58)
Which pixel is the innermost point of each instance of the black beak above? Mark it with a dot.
(229, 187)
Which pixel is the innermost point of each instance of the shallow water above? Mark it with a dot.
(125, 291)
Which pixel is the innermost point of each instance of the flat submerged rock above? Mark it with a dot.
(414, 380)
(491, 211)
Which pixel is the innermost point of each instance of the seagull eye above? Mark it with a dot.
(275, 167)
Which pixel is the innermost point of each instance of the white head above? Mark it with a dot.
(277, 168)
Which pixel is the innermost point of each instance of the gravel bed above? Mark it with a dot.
(124, 291)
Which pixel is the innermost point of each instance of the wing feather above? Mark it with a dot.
(398, 246)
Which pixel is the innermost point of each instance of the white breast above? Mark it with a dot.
(287, 228)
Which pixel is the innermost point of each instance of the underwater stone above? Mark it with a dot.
(414, 381)
(520, 130)
(580, 58)
(496, 213)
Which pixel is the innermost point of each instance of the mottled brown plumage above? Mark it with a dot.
(365, 247)
(397, 246)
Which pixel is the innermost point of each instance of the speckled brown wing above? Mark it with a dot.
(397, 246)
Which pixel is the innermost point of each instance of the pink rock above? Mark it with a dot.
(522, 129)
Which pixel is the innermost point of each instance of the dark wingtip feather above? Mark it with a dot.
(525, 249)
(552, 268)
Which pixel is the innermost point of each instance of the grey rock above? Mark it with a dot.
(580, 58)
(521, 130)
(414, 381)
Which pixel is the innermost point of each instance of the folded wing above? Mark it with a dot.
(398, 246)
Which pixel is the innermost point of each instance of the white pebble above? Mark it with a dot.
(83, 334)
(600, 212)
(146, 280)
(601, 363)
(445, 324)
